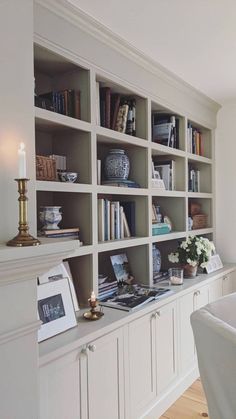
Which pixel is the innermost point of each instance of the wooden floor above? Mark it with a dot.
(191, 405)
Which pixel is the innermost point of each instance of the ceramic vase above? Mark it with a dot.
(117, 165)
(190, 271)
(50, 217)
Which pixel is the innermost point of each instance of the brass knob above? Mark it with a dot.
(92, 348)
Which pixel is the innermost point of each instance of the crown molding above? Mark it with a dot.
(77, 17)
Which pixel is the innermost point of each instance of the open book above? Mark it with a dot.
(135, 298)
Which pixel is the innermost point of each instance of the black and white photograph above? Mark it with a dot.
(55, 308)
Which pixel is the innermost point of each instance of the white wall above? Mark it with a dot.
(226, 183)
(16, 107)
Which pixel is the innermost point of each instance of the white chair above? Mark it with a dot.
(214, 328)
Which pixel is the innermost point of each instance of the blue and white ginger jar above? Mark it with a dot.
(117, 165)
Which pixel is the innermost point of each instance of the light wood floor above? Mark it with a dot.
(191, 405)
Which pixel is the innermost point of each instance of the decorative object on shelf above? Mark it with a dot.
(93, 314)
(199, 219)
(117, 165)
(190, 223)
(176, 276)
(46, 168)
(68, 176)
(23, 238)
(156, 261)
(59, 272)
(191, 253)
(214, 264)
(190, 271)
(55, 308)
(167, 220)
(121, 269)
(50, 217)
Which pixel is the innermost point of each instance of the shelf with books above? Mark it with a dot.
(61, 85)
(76, 210)
(138, 263)
(168, 215)
(170, 236)
(199, 140)
(167, 127)
(114, 137)
(136, 159)
(121, 217)
(120, 109)
(199, 177)
(169, 168)
(70, 148)
(200, 213)
(119, 244)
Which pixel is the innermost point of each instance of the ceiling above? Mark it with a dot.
(196, 40)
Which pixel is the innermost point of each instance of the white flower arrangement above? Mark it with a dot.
(194, 251)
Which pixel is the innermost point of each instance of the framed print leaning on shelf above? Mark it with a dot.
(55, 308)
(58, 272)
(214, 264)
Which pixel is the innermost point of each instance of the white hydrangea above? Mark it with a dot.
(173, 257)
(192, 262)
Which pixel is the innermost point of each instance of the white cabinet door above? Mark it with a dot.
(59, 383)
(187, 351)
(105, 378)
(166, 347)
(215, 290)
(201, 297)
(187, 304)
(228, 283)
(141, 365)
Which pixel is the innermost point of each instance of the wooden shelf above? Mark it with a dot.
(49, 121)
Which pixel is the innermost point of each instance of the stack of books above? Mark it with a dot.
(193, 179)
(115, 111)
(194, 140)
(65, 233)
(166, 170)
(165, 129)
(107, 288)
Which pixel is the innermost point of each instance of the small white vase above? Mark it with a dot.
(50, 217)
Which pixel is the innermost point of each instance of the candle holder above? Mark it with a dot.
(23, 238)
(93, 314)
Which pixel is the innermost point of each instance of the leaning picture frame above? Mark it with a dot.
(58, 272)
(214, 264)
(55, 308)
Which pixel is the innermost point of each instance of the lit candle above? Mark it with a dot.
(93, 297)
(22, 161)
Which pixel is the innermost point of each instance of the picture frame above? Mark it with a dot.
(55, 308)
(58, 272)
(121, 267)
(214, 264)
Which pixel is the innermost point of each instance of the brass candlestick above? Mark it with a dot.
(93, 314)
(23, 238)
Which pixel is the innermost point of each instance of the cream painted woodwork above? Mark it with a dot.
(105, 377)
(187, 304)
(166, 346)
(141, 365)
(229, 283)
(216, 290)
(60, 388)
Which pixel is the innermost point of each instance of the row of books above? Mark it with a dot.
(116, 220)
(165, 129)
(66, 102)
(116, 112)
(194, 140)
(193, 180)
(166, 171)
(60, 162)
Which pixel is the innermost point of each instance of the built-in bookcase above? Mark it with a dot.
(84, 141)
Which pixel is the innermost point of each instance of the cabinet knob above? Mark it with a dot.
(92, 348)
(158, 313)
(154, 315)
(84, 350)
(225, 278)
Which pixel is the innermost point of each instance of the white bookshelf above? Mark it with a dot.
(83, 142)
